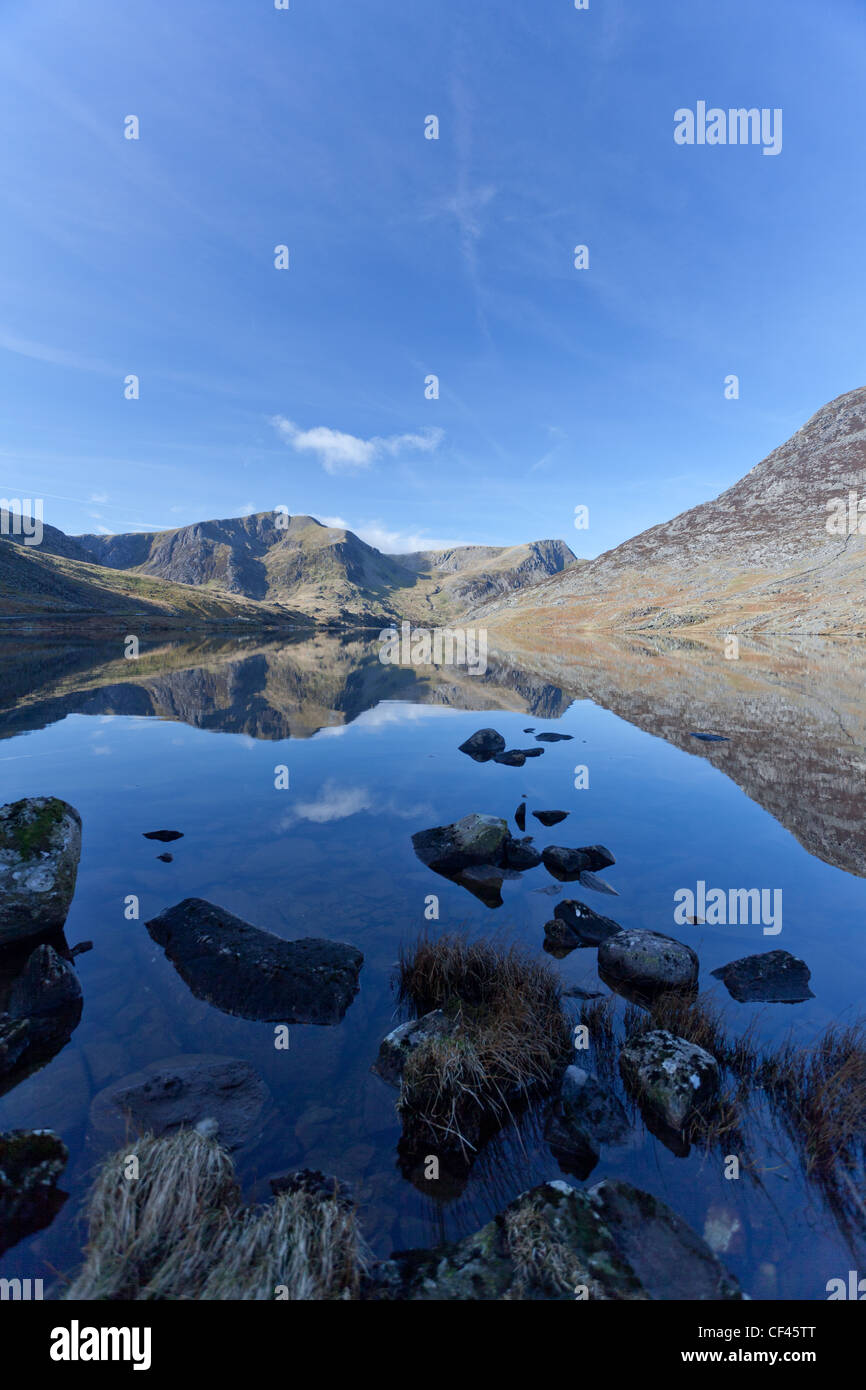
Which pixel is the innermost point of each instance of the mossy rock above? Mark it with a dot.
(40, 846)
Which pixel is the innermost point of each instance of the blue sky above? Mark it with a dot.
(305, 387)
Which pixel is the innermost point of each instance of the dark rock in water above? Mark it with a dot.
(774, 977)
(519, 854)
(612, 1240)
(166, 858)
(565, 864)
(532, 752)
(43, 1008)
(254, 974)
(553, 738)
(573, 1150)
(31, 1161)
(568, 864)
(520, 817)
(596, 884)
(165, 835)
(580, 925)
(710, 738)
(513, 758)
(578, 992)
(550, 817)
(40, 846)
(550, 890)
(475, 839)
(316, 1184)
(669, 1076)
(400, 1043)
(221, 1097)
(484, 880)
(482, 745)
(588, 1105)
(647, 963)
(80, 949)
(530, 730)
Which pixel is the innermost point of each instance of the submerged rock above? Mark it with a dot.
(773, 977)
(483, 745)
(590, 1106)
(646, 963)
(550, 817)
(484, 881)
(553, 738)
(571, 1146)
(513, 758)
(556, 1243)
(166, 836)
(31, 1161)
(669, 1076)
(40, 846)
(252, 973)
(221, 1097)
(596, 884)
(43, 1009)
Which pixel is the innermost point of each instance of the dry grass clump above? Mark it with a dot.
(178, 1232)
(819, 1093)
(543, 1262)
(510, 1037)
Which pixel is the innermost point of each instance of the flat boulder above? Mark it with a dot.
(612, 1241)
(483, 745)
(553, 738)
(40, 846)
(773, 977)
(475, 839)
(568, 864)
(646, 963)
(513, 758)
(669, 1077)
(222, 1097)
(252, 973)
(550, 817)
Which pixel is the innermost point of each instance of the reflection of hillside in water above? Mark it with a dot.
(795, 716)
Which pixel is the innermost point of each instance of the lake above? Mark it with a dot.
(191, 738)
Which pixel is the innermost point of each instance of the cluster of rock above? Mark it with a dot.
(479, 852)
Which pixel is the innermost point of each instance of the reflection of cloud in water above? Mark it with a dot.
(390, 712)
(338, 803)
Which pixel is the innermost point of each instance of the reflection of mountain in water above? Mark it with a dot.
(270, 691)
(794, 716)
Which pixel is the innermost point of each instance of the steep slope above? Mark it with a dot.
(38, 585)
(326, 571)
(455, 581)
(758, 557)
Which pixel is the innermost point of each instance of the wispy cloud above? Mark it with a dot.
(339, 452)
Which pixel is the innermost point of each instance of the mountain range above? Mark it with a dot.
(783, 550)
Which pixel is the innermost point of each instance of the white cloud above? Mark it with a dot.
(338, 452)
(99, 497)
(391, 542)
(335, 803)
